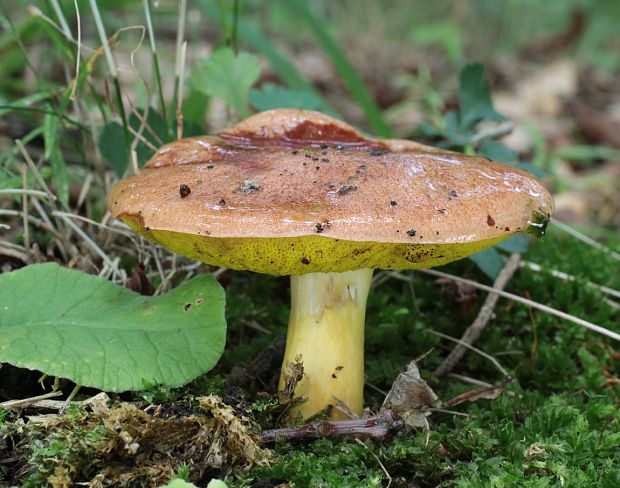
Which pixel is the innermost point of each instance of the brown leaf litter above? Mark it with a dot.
(123, 445)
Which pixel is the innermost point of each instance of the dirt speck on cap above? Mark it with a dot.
(248, 186)
(184, 191)
(345, 189)
(321, 226)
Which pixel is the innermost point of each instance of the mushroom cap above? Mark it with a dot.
(292, 191)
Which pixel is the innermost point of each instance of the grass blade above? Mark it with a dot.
(182, 17)
(155, 61)
(347, 71)
(113, 71)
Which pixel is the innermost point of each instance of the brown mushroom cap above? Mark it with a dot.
(295, 179)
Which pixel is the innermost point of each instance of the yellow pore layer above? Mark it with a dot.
(310, 254)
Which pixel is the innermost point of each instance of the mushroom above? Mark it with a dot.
(292, 192)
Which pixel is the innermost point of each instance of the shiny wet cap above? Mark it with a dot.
(300, 177)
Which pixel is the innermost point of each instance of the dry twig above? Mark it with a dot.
(28, 402)
(511, 296)
(376, 427)
(472, 332)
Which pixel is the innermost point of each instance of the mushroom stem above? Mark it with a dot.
(326, 328)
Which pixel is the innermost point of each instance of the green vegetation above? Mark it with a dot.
(73, 121)
(557, 422)
(104, 336)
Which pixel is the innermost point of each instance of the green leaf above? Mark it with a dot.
(489, 261)
(475, 96)
(517, 243)
(194, 110)
(23, 103)
(59, 172)
(217, 484)
(51, 124)
(226, 76)
(498, 151)
(270, 95)
(73, 325)
(179, 483)
(429, 131)
(532, 168)
(280, 63)
(112, 146)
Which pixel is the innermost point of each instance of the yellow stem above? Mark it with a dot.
(326, 328)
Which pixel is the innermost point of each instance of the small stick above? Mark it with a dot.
(120, 231)
(181, 76)
(473, 395)
(69, 399)
(182, 18)
(63, 244)
(17, 253)
(84, 190)
(143, 119)
(134, 161)
(25, 214)
(23, 191)
(35, 172)
(45, 404)
(568, 277)
(139, 137)
(78, 55)
(42, 213)
(475, 349)
(33, 220)
(511, 296)
(471, 381)
(472, 332)
(92, 244)
(25, 402)
(449, 412)
(376, 427)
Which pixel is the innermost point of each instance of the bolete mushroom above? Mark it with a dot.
(291, 192)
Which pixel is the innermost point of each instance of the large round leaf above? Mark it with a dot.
(73, 325)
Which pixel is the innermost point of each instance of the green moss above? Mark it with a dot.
(559, 426)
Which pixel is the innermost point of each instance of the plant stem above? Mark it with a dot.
(182, 17)
(234, 38)
(155, 60)
(326, 328)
